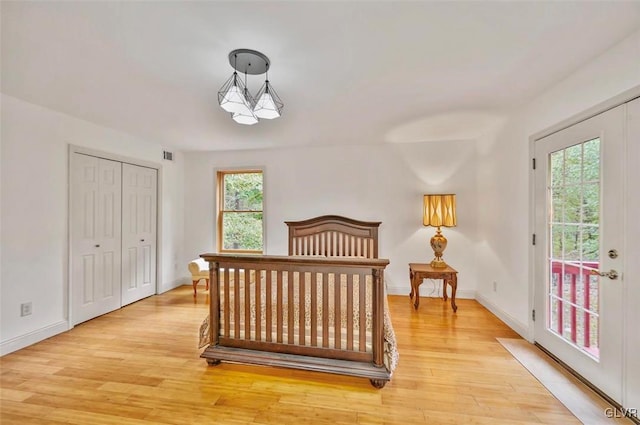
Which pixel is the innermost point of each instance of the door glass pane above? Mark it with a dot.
(574, 228)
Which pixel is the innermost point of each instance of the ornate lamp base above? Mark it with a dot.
(438, 264)
(438, 244)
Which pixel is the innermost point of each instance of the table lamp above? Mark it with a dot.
(439, 210)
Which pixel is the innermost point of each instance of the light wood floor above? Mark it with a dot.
(140, 365)
(581, 400)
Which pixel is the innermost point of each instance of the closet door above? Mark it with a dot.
(139, 208)
(95, 236)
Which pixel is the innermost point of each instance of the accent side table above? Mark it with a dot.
(420, 271)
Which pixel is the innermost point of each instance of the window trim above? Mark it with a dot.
(220, 173)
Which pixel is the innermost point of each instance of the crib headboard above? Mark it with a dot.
(333, 236)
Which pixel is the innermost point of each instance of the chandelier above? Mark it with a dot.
(234, 96)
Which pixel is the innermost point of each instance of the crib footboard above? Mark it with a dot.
(318, 314)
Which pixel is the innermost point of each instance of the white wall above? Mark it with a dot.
(503, 186)
(378, 183)
(34, 242)
(503, 175)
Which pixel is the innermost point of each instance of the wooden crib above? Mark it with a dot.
(322, 308)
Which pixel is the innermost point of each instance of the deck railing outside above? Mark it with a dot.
(576, 294)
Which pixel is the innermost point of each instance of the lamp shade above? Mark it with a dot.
(268, 105)
(232, 98)
(246, 117)
(439, 210)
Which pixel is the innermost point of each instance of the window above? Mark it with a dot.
(240, 211)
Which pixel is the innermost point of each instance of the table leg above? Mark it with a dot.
(454, 287)
(411, 280)
(415, 291)
(445, 281)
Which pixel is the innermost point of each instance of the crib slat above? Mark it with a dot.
(227, 305)
(247, 303)
(377, 304)
(279, 307)
(331, 251)
(337, 325)
(290, 306)
(345, 246)
(269, 305)
(258, 304)
(362, 325)
(236, 303)
(325, 310)
(214, 307)
(301, 300)
(350, 311)
(314, 309)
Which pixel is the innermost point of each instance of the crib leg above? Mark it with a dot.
(213, 362)
(378, 383)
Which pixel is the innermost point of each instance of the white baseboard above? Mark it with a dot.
(430, 292)
(174, 284)
(516, 325)
(22, 341)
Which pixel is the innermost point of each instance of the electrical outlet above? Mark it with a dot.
(25, 309)
(495, 286)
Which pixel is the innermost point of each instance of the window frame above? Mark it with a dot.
(220, 211)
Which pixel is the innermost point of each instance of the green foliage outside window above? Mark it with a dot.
(242, 212)
(575, 192)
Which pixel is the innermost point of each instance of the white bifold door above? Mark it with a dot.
(139, 194)
(96, 236)
(113, 235)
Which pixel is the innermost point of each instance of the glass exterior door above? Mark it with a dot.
(579, 229)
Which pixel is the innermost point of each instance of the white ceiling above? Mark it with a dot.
(348, 72)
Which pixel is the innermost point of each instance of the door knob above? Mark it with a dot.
(611, 274)
(141, 240)
(98, 246)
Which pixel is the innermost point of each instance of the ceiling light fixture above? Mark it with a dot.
(234, 96)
